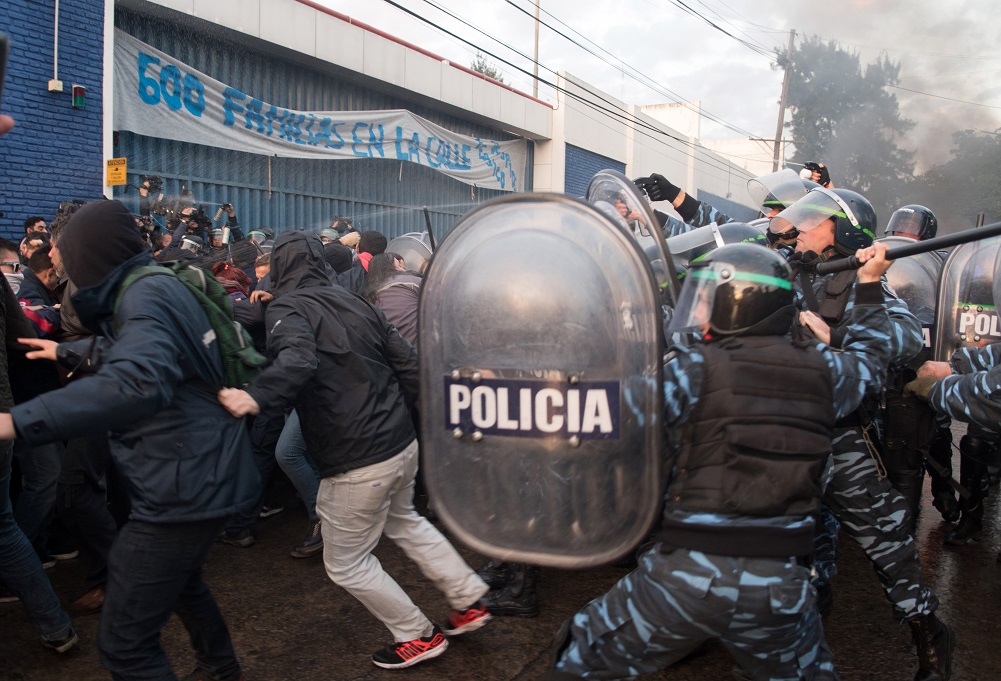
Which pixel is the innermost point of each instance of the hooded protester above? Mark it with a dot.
(352, 377)
(187, 463)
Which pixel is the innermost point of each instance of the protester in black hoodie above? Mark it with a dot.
(351, 376)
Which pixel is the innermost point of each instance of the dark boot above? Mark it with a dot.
(518, 597)
(970, 526)
(972, 475)
(496, 574)
(934, 641)
(946, 504)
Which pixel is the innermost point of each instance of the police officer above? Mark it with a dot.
(829, 224)
(771, 193)
(966, 389)
(744, 483)
(910, 429)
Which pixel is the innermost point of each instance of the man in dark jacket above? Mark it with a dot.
(188, 464)
(351, 376)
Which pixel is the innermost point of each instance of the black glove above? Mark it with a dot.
(658, 187)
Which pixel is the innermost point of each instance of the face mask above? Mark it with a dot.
(15, 281)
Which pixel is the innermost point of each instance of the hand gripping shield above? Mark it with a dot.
(618, 198)
(966, 315)
(541, 390)
(915, 279)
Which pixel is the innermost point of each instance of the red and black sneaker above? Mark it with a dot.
(408, 653)
(471, 619)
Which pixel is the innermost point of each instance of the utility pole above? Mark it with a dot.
(535, 84)
(782, 102)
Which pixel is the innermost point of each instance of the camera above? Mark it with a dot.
(154, 182)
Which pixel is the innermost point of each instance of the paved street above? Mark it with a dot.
(289, 622)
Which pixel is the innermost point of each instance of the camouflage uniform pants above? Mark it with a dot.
(874, 515)
(763, 610)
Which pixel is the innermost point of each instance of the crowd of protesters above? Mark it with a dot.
(78, 491)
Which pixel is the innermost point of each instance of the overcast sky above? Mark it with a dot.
(945, 49)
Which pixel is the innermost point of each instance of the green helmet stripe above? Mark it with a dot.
(708, 273)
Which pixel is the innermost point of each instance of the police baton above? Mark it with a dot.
(427, 221)
(936, 244)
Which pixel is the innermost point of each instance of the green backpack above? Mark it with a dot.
(241, 361)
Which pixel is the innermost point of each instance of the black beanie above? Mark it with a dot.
(98, 238)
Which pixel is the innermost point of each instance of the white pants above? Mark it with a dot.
(355, 509)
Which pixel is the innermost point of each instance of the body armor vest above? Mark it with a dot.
(757, 444)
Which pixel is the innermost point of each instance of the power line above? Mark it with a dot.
(951, 99)
(612, 110)
(632, 72)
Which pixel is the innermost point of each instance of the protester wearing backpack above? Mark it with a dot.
(155, 366)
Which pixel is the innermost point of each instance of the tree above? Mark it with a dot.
(844, 117)
(957, 191)
(487, 68)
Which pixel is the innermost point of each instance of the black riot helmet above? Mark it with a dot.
(738, 289)
(914, 221)
(853, 216)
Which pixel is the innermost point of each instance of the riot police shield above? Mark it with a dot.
(691, 246)
(915, 279)
(966, 315)
(616, 196)
(541, 348)
(414, 248)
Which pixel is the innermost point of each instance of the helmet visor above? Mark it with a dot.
(810, 212)
(698, 295)
(906, 221)
(776, 191)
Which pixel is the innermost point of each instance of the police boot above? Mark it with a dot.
(970, 526)
(943, 496)
(934, 641)
(518, 597)
(973, 472)
(496, 574)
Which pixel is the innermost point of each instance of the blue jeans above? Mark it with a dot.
(155, 570)
(294, 460)
(20, 569)
(40, 468)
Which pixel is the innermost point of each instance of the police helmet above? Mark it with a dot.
(853, 216)
(737, 289)
(912, 221)
(327, 234)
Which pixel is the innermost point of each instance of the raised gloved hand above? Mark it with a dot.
(658, 187)
(921, 387)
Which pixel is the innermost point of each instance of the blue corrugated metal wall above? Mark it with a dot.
(381, 194)
(581, 165)
(737, 211)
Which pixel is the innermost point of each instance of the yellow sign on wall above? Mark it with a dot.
(116, 171)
